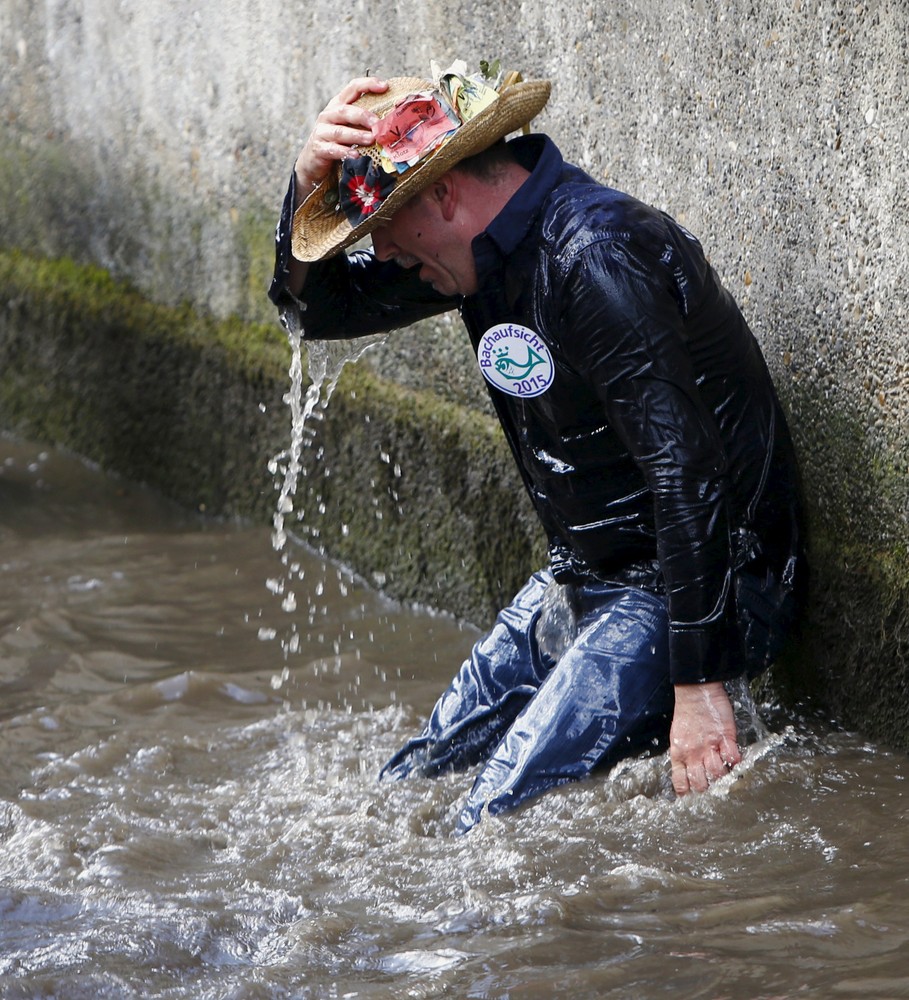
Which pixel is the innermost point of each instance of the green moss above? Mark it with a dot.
(854, 485)
(79, 297)
(146, 390)
(853, 659)
(28, 171)
(254, 233)
(193, 406)
(445, 510)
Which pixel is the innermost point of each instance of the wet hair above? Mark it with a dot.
(489, 164)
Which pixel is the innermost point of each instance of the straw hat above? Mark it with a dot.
(321, 229)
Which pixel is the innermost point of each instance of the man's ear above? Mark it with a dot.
(444, 192)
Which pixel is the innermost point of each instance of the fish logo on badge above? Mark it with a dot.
(513, 370)
(515, 360)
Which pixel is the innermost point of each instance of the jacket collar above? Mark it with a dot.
(539, 155)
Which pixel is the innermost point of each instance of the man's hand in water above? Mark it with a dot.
(702, 743)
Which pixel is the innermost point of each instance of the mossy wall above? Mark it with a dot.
(155, 141)
(416, 492)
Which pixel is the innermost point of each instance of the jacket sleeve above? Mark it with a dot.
(350, 296)
(622, 324)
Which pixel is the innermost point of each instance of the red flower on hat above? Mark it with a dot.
(363, 188)
(366, 196)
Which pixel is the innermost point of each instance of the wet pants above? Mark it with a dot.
(538, 721)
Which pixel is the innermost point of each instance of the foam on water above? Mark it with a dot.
(267, 848)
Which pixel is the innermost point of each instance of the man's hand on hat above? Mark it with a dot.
(340, 128)
(702, 740)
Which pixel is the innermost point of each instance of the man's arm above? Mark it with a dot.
(340, 127)
(627, 334)
(347, 295)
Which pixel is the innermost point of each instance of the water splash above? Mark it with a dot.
(325, 362)
(750, 727)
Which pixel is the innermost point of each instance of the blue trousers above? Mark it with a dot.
(540, 717)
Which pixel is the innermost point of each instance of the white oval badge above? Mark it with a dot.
(515, 360)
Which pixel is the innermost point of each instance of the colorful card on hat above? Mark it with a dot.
(414, 126)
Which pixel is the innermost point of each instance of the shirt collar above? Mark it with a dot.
(540, 155)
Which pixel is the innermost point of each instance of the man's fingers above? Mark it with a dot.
(343, 124)
(340, 115)
(680, 778)
(702, 739)
(330, 141)
(689, 779)
(336, 141)
(697, 776)
(340, 126)
(716, 765)
(730, 752)
(354, 90)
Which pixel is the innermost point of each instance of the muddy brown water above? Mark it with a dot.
(189, 806)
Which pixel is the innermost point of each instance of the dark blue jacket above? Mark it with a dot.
(658, 453)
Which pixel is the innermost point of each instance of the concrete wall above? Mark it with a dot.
(155, 139)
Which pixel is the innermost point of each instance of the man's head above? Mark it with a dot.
(423, 135)
(435, 229)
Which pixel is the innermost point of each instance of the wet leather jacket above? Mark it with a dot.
(658, 455)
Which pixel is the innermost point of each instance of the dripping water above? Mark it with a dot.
(325, 362)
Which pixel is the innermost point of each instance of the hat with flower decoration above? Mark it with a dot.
(425, 130)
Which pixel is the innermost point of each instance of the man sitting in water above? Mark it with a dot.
(634, 398)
